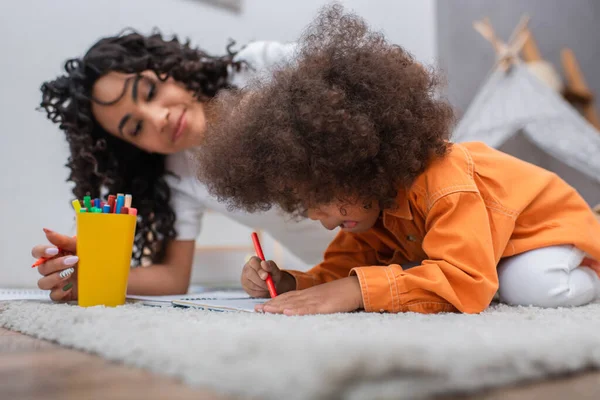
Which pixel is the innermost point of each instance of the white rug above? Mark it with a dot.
(345, 356)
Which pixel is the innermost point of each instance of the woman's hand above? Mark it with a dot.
(342, 295)
(255, 273)
(60, 270)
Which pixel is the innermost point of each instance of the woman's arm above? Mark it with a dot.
(172, 276)
(259, 59)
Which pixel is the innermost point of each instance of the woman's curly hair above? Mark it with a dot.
(351, 117)
(99, 163)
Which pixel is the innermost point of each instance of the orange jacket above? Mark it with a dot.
(460, 217)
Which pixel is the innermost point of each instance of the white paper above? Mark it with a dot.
(245, 304)
(24, 294)
(7, 294)
(167, 300)
(157, 299)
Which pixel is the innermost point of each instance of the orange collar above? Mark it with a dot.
(402, 209)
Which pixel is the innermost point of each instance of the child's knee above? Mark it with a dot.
(549, 277)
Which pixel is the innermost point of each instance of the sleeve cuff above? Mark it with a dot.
(378, 288)
(188, 229)
(303, 280)
(382, 292)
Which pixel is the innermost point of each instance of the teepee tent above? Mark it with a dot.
(519, 114)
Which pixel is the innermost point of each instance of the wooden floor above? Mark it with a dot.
(34, 369)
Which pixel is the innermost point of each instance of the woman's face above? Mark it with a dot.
(158, 117)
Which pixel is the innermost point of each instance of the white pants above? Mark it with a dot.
(547, 277)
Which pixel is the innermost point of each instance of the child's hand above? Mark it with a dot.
(255, 273)
(60, 270)
(342, 295)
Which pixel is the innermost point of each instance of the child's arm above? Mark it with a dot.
(460, 272)
(358, 250)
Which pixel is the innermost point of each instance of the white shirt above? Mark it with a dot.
(306, 239)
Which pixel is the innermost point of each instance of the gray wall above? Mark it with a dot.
(466, 57)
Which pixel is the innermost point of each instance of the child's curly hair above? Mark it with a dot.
(352, 117)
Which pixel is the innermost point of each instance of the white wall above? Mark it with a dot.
(38, 35)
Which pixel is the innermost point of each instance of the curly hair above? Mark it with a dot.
(351, 117)
(99, 163)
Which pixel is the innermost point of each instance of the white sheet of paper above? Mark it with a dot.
(167, 300)
(24, 294)
(245, 304)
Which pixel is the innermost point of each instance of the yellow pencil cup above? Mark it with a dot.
(104, 246)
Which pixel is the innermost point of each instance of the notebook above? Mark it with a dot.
(9, 294)
(23, 294)
(221, 300)
(156, 301)
(243, 304)
(167, 301)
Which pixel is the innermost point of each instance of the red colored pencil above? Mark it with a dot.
(39, 262)
(260, 255)
(42, 260)
(111, 202)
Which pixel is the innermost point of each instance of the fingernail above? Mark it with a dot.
(66, 273)
(46, 230)
(262, 275)
(67, 286)
(71, 260)
(51, 251)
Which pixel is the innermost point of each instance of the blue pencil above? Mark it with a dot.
(120, 203)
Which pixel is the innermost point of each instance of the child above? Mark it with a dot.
(352, 134)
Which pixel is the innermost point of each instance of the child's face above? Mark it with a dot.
(350, 217)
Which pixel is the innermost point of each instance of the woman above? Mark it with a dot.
(132, 109)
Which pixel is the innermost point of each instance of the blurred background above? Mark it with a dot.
(39, 35)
